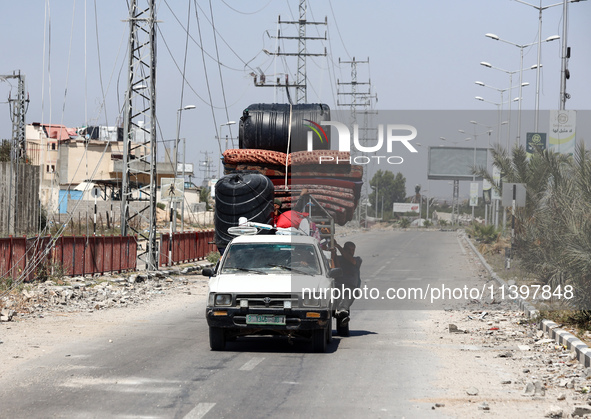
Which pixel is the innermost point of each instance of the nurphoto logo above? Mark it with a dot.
(404, 134)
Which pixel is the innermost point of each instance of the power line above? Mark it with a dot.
(205, 70)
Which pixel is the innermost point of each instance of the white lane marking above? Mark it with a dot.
(414, 279)
(249, 366)
(461, 247)
(376, 273)
(295, 383)
(199, 411)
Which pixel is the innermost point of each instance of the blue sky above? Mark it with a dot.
(424, 55)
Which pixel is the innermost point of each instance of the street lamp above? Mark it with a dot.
(220, 143)
(223, 125)
(521, 85)
(176, 156)
(488, 65)
(521, 47)
(454, 142)
(498, 105)
(376, 210)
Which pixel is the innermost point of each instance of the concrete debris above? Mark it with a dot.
(6, 315)
(454, 329)
(534, 389)
(554, 412)
(484, 406)
(582, 410)
(531, 364)
(89, 294)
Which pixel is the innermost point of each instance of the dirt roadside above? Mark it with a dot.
(29, 336)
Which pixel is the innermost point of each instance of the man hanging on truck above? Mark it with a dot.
(351, 279)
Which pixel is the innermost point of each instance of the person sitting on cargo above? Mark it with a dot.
(351, 279)
(276, 211)
(291, 218)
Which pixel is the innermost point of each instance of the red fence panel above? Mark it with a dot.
(38, 256)
(79, 255)
(185, 247)
(164, 243)
(117, 254)
(132, 253)
(26, 258)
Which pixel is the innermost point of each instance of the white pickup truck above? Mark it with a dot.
(260, 287)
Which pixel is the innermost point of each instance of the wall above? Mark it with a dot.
(27, 204)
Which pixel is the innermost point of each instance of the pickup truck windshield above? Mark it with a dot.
(279, 258)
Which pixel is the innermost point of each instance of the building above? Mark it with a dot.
(75, 160)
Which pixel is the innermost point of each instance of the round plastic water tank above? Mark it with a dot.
(238, 195)
(265, 126)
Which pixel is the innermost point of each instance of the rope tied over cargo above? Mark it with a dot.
(288, 143)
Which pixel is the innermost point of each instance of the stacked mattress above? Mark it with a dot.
(328, 176)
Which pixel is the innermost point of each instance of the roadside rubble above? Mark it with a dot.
(528, 364)
(93, 293)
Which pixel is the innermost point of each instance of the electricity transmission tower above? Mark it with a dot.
(18, 148)
(139, 130)
(206, 166)
(301, 78)
(361, 101)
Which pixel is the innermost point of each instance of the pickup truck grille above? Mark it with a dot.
(266, 300)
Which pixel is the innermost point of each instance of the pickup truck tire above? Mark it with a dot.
(342, 329)
(329, 331)
(217, 339)
(319, 340)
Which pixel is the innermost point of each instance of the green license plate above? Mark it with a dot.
(265, 319)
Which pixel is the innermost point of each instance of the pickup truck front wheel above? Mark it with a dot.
(217, 338)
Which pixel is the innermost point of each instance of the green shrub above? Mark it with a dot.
(213, 257)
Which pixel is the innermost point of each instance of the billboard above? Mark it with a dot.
(455, 163)
(563, 126)
(172, 189)
(405, 207)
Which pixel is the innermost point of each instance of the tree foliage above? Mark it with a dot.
(5, 150)
(389, 187)
(553, 231)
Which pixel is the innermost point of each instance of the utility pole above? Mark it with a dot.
(18, 148)
(206, 165)
(363, 99)
(564, 73)
(139, 130)
(301, 78)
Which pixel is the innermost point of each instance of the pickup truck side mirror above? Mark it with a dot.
(207, 272)
(335, 273)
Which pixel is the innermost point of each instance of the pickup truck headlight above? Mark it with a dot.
(309, 301)
(223, 299)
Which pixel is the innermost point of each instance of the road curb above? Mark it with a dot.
(560, 336)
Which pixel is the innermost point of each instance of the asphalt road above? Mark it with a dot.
(161, 366)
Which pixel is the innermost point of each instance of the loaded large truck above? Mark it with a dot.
(258, 287)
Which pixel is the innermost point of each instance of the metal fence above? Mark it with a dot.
(95, 255)
(88, 255)
(186, 247)
(75, 255)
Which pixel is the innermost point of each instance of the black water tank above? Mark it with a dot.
(265, 126)
(238, 195)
